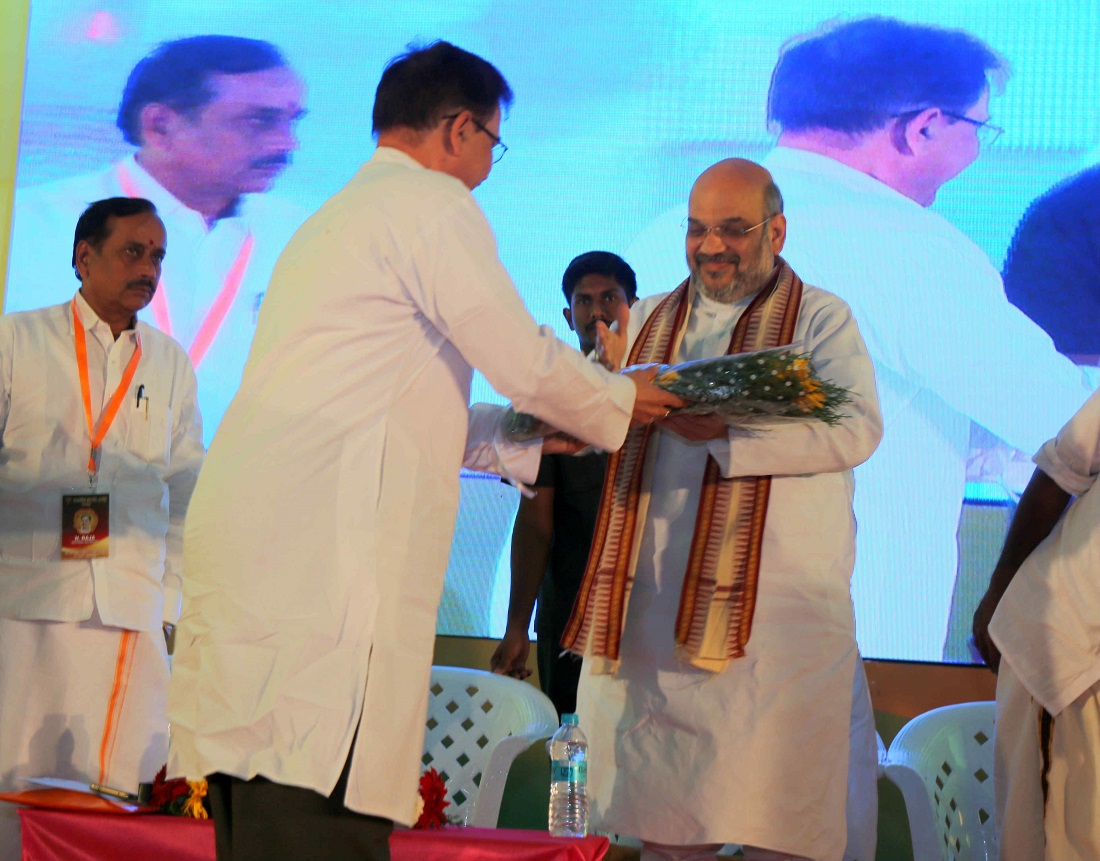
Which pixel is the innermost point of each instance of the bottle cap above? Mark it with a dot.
(569, 718)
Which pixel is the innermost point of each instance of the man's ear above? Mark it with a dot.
(80, 256)
(568, 314)
(455, 132)
(912, 136)
(156, 124)
(777, 232)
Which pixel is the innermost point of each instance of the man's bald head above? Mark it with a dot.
(742, 178)
(735, 229)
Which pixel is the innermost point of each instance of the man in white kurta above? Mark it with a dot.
(321, 526)
(1045, 638)
(83, 663)
(226, 231)
(756, 751)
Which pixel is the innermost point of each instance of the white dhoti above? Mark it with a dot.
(1065, 827)
(79, 701)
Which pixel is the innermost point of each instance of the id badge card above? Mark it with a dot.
(85, 526)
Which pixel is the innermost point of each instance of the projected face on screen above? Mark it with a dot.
(909, 218)
(235, 144)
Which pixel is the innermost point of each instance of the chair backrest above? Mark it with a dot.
(943, 763)
(478, 722)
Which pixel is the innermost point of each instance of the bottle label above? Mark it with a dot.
(569, 772)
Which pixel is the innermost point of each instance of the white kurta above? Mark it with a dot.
(757, 753)
(149, 461)
(198, 262)
(965, 355)
(320, 529)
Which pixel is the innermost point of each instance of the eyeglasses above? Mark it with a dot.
(499, 146)
(725, 231)
(986, 131)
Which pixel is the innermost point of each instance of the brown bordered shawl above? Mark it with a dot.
(719, 592)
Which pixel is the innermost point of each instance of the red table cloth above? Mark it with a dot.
(493, 844)
(62, 835)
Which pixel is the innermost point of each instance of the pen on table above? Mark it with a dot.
(111, 791)
(140, 395)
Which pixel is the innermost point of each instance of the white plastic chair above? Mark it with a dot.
(881, 755)
(478, 723)
(942, 761)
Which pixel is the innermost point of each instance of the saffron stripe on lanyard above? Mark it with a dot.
(218, 310)
(96, 432)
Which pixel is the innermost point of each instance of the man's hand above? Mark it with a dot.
(980, 628)
(1041, 506)
(696, 428)
(611, 340)
(510, 657)
(651, 402)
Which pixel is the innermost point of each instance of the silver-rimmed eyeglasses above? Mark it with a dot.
(986, 131)
(725, 231)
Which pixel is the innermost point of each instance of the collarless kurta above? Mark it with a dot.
(683, 756)
(321, 526)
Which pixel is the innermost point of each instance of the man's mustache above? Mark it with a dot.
(143, 282)
(732, 259)
(281, 159)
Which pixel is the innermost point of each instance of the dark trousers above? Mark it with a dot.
(559, 674)
(259, 820)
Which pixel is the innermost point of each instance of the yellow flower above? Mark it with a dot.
(194, 806)
(811, 400)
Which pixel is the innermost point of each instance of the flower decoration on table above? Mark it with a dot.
(753, 388)
(432, 801)
(178, 797)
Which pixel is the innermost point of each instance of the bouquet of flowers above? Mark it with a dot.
(743, 388)
(750, 388)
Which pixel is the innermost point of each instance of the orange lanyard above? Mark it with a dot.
(98, 432)
(215, 315)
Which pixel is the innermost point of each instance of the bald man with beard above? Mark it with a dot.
(717, 704)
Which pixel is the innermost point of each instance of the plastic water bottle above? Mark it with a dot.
(568, 776)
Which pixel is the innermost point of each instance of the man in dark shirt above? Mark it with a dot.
(553, 530)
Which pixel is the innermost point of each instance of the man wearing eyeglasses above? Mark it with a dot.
(729, 556)
(875, 116)
(320, 529)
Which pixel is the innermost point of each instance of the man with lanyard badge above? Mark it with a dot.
(100, 447)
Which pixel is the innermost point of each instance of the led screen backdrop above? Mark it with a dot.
(619, 106)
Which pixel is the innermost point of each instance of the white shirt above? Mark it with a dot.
(196, 267)
(322, 523)
(686, 756)
(948, 349)
(1047, 625)
(149, 462)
